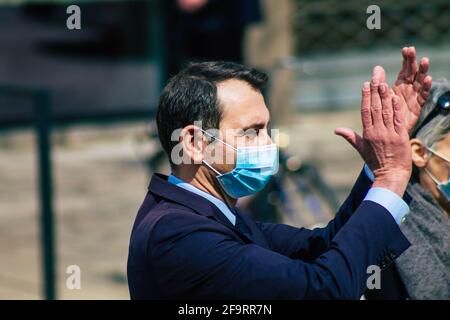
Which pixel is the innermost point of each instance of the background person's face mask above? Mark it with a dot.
(443, 187)
(254, 167)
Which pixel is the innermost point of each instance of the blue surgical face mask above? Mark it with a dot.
(254, 167)
(443, 187)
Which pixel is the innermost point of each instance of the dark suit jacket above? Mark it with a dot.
(391, 286)
(183, 247)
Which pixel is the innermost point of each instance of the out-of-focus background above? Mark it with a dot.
(77, 138)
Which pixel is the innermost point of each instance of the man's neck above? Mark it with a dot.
(203, 180)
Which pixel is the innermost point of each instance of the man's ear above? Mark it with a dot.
(419, 153)
(191, 140)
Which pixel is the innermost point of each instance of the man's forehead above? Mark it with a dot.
(235, 90)
(242, 105)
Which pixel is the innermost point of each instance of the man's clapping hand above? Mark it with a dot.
(412, 86)
(384, 144)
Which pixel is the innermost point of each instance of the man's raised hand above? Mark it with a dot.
(412, 86)
(384, 145)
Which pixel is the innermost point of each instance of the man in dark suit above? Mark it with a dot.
(189, 241)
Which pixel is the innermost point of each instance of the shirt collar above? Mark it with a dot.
(217, 202)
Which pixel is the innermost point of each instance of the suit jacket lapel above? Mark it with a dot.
(161, 187)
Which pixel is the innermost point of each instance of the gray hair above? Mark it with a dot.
(438, 127)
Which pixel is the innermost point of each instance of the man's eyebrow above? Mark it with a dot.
(256, 125)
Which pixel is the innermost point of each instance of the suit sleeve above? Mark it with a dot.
(308, 244)
(196, 257)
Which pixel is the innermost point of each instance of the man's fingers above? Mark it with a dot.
(366, 116)
(352, 137)
(405, 58)
(399, 115)
(403, 70)
(425, 90)
(375, 100)
(426, 86)
(412, 65)
(386, 101)
(424, 65)
(379, 74)
(421, 75)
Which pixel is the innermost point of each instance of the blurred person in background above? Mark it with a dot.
(200, 30)
(423, 271)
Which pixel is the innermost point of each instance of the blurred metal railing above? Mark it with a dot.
(335, 51)
(45, 118)
(42, 125)
(324, 26)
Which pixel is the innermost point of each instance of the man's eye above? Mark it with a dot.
(251, 133)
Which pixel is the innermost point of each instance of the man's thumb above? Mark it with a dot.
(352, 137)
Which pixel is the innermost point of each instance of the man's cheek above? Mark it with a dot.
(218, 155)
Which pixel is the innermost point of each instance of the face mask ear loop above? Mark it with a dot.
(206, 163)
(213, 137)
(432, 177)
(438, 155)
(209, 166)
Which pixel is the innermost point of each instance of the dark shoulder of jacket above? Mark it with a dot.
(177, 222)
